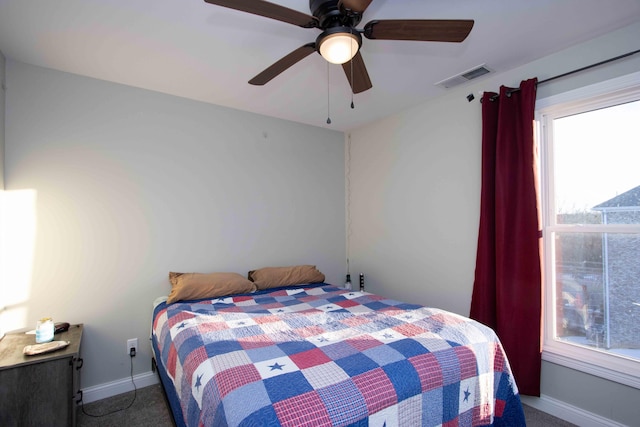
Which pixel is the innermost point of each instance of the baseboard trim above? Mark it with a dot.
(102, 391)
(568, 412)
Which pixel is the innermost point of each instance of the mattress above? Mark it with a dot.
(322, 355)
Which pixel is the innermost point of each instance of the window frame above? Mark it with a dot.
(601, 95)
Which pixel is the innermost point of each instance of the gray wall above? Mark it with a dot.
(2, 236)
(2, 108)
(415, 192)
(116, 186)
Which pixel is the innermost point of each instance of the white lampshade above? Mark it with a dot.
(339, 48)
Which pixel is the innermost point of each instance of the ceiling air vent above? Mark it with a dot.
(464, 77)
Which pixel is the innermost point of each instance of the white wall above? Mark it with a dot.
(414, 203)
(2, 214)
(2, 97)
(415, 192)
(118, 186)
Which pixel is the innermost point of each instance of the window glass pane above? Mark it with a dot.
(597, 176)
(598, 291)
(590, 181)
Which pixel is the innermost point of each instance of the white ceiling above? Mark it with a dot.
(208, 53)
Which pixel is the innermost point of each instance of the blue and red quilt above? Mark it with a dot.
(315, 356)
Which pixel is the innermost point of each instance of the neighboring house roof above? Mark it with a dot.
(628, 199)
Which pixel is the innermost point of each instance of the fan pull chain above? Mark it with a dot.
(328, 100)
(352, 106)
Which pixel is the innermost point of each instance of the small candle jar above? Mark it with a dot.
(44, 330)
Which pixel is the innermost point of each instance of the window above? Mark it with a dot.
(589, 142)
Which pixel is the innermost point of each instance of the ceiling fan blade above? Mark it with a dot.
(355, 5)
(281, 65)
(361, 81)
(428, 30)
(269, 10)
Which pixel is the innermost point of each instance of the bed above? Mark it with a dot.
(316, 354)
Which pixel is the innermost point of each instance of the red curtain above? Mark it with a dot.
(507, 291)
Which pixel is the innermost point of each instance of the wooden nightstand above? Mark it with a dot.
(39, 390)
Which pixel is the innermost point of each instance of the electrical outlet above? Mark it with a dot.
(132, 343)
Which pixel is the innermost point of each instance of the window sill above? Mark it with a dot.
(611, 367)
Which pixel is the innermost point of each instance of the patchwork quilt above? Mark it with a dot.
(316, 356)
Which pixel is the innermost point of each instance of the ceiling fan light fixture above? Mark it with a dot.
(339, 44)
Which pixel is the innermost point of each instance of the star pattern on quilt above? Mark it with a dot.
(198, 382)
(467, 393)
(182, 325)
(276, 366)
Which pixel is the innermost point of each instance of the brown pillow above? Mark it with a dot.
(190, 286)
(273, 277)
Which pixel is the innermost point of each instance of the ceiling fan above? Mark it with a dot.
(340, 40)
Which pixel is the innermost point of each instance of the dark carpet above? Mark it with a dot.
(150, 409)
